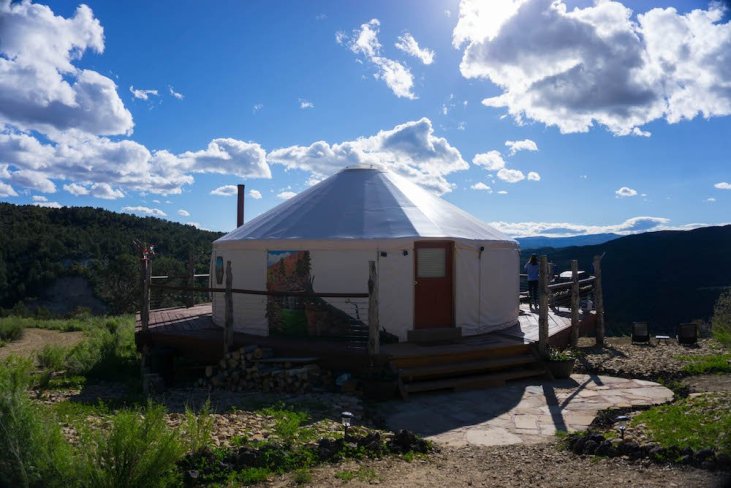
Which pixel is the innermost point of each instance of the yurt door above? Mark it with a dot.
(433, 284)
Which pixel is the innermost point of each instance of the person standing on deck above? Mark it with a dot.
(532, 268)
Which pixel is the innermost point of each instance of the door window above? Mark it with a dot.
(431, 262)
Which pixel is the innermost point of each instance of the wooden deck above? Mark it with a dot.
(192, 333)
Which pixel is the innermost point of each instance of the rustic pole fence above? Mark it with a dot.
(373, 325)
(190, 282)
(575, 303)
(228, 327)
(145, 302)
(543, 292)
(599, 301)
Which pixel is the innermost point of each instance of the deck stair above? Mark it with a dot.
(466, 370)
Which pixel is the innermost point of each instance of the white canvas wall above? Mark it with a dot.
(396, 291)
(499, 302)
(248, 267)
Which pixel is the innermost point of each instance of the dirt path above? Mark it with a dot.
(34, 340)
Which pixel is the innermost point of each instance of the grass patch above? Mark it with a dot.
(699, 422)
(712, 363)
(288, 422)
(52, 357)
(365, 475)
(10, 330)
(302, 476)
(198, 428)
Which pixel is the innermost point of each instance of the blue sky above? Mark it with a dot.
(540, 117)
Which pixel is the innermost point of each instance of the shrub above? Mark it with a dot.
(139, 450)
(107, 353)
(32, 450)
(11, 329)
(721, 321)
(52, 357)
(198, 428)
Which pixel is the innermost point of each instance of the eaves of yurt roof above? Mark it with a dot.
(364, 203)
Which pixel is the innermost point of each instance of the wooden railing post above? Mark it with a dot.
(228, 326)
(599, 301)
(575, 303)
(543, 307)
(190, 282)
(373, 325)
(145, 305)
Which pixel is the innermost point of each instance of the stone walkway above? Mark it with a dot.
(524, 412)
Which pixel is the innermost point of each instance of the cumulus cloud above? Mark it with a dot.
(524, 145)
(305, 104)
(599, 64)
(286, 195)
(533, 176)
(156, 212)
(228, 156)
(480, 186)
(33, 180)
(364, 41)
(626, 191)
(408, 44)
(47, 204)
(7, 190)
(174, 93)
(257, 107)
(255, 194)
(76, 189)
(510, 175)
(105, 191)
(722, 185)
(553, 229)
(491, 160)
(410, 149)
(39, 198)
(40, 87)
(142, 94)
(225, 191)
(710, 199)
(183, 213)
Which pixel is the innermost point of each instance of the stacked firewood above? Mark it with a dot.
(256, 368)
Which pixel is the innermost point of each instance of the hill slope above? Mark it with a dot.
(661, 277)
(538, 242)
(38, 245)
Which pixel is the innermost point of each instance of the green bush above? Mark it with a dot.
(108, 352)
(11, 329)
(138, 450)
(198, 429)
(721, 321)
(32, 450)
(52, 357)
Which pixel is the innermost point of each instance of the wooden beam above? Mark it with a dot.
(373, 324)
(543, 307)
(575, 302)
(145, 305)
(228, 328)
(599, 301)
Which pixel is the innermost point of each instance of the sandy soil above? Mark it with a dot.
(34, 340)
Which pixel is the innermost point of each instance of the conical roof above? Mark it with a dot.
(365, 203)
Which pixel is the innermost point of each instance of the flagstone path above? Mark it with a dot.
(526, 412)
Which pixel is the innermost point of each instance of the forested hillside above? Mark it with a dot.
(663, 278)
(38, 245)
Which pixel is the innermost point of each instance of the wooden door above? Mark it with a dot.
(433, 284)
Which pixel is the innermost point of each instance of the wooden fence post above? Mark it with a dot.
(145, 305)
(543, 307)
(575, 303)
(190, 282)
(228, 326)
(599, 301)
(373, 325)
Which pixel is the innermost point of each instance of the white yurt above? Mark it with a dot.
(437, 266)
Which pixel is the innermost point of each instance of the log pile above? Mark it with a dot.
(254, 368)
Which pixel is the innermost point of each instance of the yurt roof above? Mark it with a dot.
(364, 202)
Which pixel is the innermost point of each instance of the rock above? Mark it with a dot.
(704, 455)
(656, 453)
(590, 446)
(598, 438)
(604, 448)
(723, 461)
(578, 447)
(686, 459)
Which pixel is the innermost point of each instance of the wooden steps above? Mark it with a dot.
(476, 369)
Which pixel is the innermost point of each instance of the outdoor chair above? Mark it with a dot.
(640, 332)
(687, 334)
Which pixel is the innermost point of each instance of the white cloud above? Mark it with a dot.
(105, 191)
(255, 194)
(145, 210)
(39, 198)
(410, 149)
(480, 186)
(40, 87)
(533, 176)
(510, 175)
(524, 145)
(722, 185)
(175, 94)
(365, 42)
(257, 107)
(502, 192)
(447, 12)
(574, 68)
(286, 195)
(305, 104)
(7, 190)
(625, 192)
(710, 199)
(225, 191)
(76, 189)
(142, 94)
(33, 180)
(197, 225)
(491, 160)
(183, 213)
(554, 229)
(48, 204)
(228, 156)
(408, 44)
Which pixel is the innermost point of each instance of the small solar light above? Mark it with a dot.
(622, 421)
(345, 419)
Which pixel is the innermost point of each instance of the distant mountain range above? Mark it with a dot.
(664, 278)
(538, 242)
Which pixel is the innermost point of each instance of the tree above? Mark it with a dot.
(721, 321)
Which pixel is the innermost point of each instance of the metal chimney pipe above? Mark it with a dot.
(240, 206)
